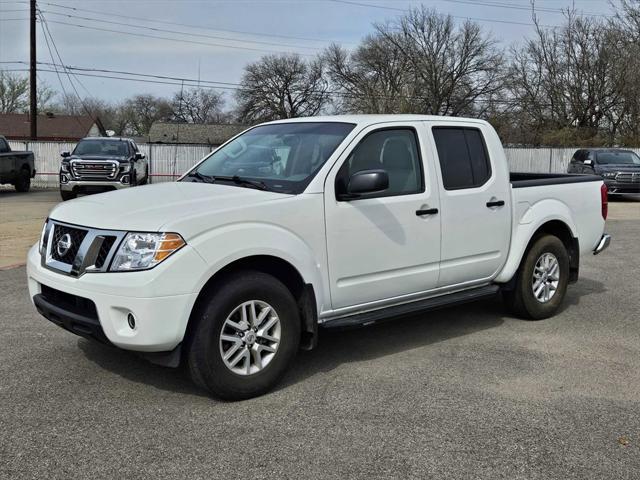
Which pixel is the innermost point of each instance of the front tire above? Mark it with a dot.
(66, 195)
(245, 336)
(542, 279)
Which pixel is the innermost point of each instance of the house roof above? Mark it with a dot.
(209, 134)
(16, 126)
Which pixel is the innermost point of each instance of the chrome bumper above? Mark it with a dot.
(72, 184)
(602, 244)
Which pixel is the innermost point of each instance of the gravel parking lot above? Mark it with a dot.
(467, 392)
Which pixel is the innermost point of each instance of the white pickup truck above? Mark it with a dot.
(328, 221)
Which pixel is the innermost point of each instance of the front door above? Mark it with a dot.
(383, 245)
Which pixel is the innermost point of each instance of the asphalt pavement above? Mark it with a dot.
(468, 392)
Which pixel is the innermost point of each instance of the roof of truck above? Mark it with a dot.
(363, 119)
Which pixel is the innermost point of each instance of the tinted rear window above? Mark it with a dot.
(463, 157)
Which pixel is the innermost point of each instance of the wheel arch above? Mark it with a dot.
(557, 227)
(279, 268)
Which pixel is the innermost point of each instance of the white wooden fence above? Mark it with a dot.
(169, 161)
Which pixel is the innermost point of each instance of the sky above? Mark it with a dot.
(123, 35)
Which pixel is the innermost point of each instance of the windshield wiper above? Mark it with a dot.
(201, 177)
(242, 181)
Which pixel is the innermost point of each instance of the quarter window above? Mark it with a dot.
(392, 150)
(463, 157)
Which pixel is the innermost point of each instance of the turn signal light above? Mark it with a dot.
(170, 243)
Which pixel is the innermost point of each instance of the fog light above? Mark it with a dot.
(125, 179)
(131, 320)
(64, 179)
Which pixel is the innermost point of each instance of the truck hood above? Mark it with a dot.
(149, 207)
(98, 158)
(620, 167)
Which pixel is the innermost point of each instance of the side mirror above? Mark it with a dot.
(139, 156)
(588, 163)
(65, 154)
(366, 181)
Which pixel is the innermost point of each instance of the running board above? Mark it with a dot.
(374, 316)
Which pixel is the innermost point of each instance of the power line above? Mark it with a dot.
(522, 7)
(199, 27)
(235, 87)
(384, 7)
(202, 35)
(194, 42)
(42, 26)
(46, 27)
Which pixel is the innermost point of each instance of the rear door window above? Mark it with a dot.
(463, 157)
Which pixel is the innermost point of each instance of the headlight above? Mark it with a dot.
(140, 251)
(125, 167)
(64, 167)
(610, 174)
(41, 244)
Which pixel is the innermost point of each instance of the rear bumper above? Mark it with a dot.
(603, 244)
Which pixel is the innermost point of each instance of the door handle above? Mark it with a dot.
(495, 203)
(428, 211)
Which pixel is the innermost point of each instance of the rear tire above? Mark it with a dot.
(23, 182)
(542, 279)
(67, 195)
(233, 356)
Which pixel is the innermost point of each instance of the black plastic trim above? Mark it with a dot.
(84, 325)
(523, 180)
(374, 316)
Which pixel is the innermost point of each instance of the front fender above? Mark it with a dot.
(257, 238)
(532, 218)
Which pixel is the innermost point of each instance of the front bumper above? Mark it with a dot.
(89, 185)
(613, 186)
(160, 299)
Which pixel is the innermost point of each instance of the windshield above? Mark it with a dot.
(282, 157)
(109, 148)
(621, 157)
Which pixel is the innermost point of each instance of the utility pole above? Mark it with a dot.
(33, 97)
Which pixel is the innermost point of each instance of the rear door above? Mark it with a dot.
(384, 245)
(474, 197)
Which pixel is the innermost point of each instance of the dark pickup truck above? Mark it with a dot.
(16, 168)
(619, 168)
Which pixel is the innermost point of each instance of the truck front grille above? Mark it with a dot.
(63, 236)
(628, 177)
(105, 248)
(84, 170)
(75, 250)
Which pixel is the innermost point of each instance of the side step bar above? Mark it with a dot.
(374, 316)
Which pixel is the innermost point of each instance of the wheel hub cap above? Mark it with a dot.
(546, 277)
(250, 337)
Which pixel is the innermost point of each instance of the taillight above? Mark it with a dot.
(604, 201)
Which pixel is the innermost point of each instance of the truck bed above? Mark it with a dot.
(522, 180)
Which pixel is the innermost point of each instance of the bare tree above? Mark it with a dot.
(453, 70)
(14, 93)
(566, 83)
(143, 110)
(281, 86)
(373, 79)
(198, 105)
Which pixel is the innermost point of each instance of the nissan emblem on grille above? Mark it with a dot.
(64, 244)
